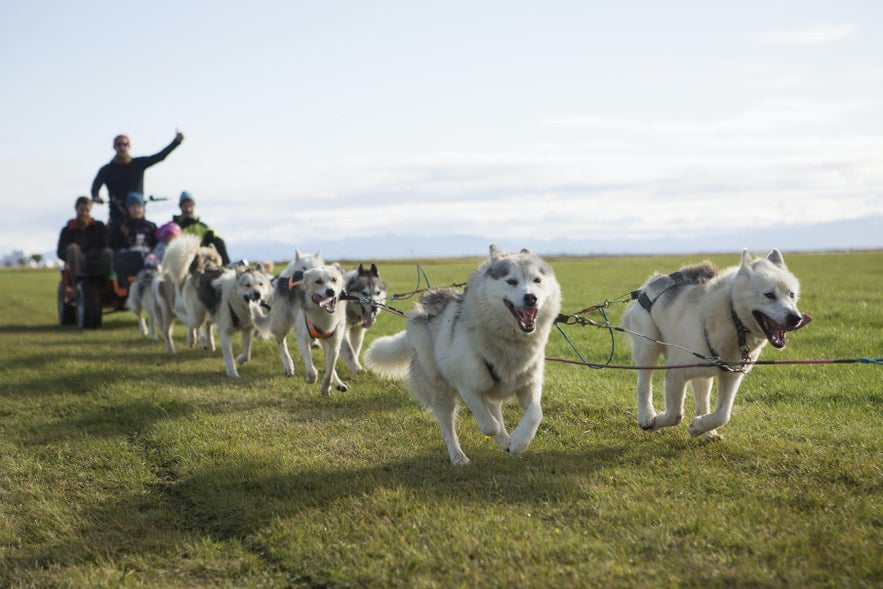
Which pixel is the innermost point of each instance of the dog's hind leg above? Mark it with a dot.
(728, 384)
(675, 391)
(646, 354)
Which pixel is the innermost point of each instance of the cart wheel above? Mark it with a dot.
(88, 304)
(66, 312)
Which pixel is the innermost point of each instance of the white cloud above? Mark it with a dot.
(818, 34)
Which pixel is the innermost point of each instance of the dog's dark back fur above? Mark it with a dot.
(208, 295)
(434, 302)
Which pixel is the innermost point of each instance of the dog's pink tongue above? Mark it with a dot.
(327, 304)
(803, 321)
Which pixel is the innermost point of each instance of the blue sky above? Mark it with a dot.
(307, 122)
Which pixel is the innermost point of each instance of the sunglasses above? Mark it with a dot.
(121, 144)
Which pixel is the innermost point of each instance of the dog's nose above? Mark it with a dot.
(530, 300)
(329, 292)
(793, 320)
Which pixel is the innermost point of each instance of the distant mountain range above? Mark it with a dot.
(860, 234)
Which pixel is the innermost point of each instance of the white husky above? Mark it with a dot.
(310, 302)
(485, 344)
(730, 315)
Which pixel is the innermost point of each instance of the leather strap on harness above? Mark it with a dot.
(676, 279)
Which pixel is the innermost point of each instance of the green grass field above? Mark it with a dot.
(123, 466)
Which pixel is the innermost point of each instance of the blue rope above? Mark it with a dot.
(581, 357)
(421, 275)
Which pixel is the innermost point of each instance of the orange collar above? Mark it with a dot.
(315, 332)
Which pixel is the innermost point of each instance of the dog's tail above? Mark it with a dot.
(179, 257)
(389, 356)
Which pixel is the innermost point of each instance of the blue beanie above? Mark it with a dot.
(185, 196)
(134, 198)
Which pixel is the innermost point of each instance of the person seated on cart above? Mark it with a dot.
(189, 223)
(132, 239)
(82, 244)
(135, 233)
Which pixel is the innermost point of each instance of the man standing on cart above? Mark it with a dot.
(125, 174)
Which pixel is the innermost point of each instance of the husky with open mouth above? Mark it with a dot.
(310, 303)
(366, 285)
(729, 314)
(484, 346)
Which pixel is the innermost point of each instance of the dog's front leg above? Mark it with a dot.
(227, 350)
(727, 384)
(487, 422)
(502, 438)
(350, 347)
(287, 362)
(331, 347)
(304, 341)
(529, 399)
(245, 356)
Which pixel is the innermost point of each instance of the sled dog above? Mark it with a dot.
(232, 299)
(484, 345)
(729, 314)
(141, 298)
(369, 289)
(183, 260)
(310, 303)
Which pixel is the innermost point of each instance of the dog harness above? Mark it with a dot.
(741, 333)
(675, 279)
(315, 332)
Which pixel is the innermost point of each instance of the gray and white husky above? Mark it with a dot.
(730, 314)
(310, 302)
(234, 300)
(483, 345)
(370, 289)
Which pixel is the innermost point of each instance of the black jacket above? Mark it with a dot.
(92, 237)
(125, 234)
(121, 179)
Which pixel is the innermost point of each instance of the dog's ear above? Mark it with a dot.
(776, 258)
(524, 250)
(746, 262)
(374, 271)
(496, 252)
(361, 270)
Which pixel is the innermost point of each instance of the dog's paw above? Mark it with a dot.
(697, 428)
(311, 377)
(460, 460)
(712, 436)
(648, 425)
(241, 359)
(342, 387)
